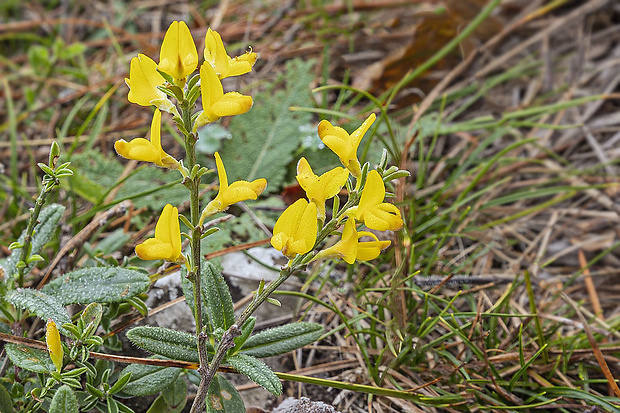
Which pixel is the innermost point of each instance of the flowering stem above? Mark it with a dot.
(228, 339)
(193, 183)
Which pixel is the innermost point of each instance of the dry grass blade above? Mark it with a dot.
(595, 348)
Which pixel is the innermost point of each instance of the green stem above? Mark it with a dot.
(293, 266)
(34, 219)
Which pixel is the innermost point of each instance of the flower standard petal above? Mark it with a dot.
(344, 145)
(215, 53)
(143, 81)
(167, 241)
(178, 56)
(296, 229)
(320, 188)
(224, 66)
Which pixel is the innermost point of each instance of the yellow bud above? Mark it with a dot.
(52, 339)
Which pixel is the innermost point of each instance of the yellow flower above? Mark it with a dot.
(224, 66)
(167, 242)
(375, 213)
(369, 250)
(349, 248)
(143, 81)
(52, 339)
(215, 103)
(320, 188)
(142, 149)
(231, 194)
(178, 56)
(296, 229)
(344, 145)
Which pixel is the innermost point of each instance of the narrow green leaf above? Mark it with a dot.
(147, 379)
(218, 297)
(64, 401)
(246, 330)
(30, 359)
(99, 284)
(43, 305)
(282, 339)
(120, 383)
(43, 232)
(165, 342)
(223, 397)
(6, 402)
(257, 371)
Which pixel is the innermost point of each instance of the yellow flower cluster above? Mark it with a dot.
(296, 230)
(148, 81)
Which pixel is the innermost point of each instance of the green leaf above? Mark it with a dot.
(282, 339)
(91, 317)
(6, 402)
(160, 406)
(30, 359)
(219, 300)
(246, 330)
(165, 342)
(257, 371)
(176, 394)
(223, 397)
(98, 284)
(43, 233)
(64, 401)
(277, 128)
(120, 383)
(147, 379)
(42, 305)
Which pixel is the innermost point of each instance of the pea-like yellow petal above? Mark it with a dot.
(369, 250)
(178, 56)
(216, 104)
(232, 103)
(241, 65)
(238, 191)
(224, 66)
(344, 145)
(320, 188)
(143, 81)
(54, 346)
(167, 241)
(346, 248)
(139, 149)
(375, 213)
(142, 149)
(296, 229)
